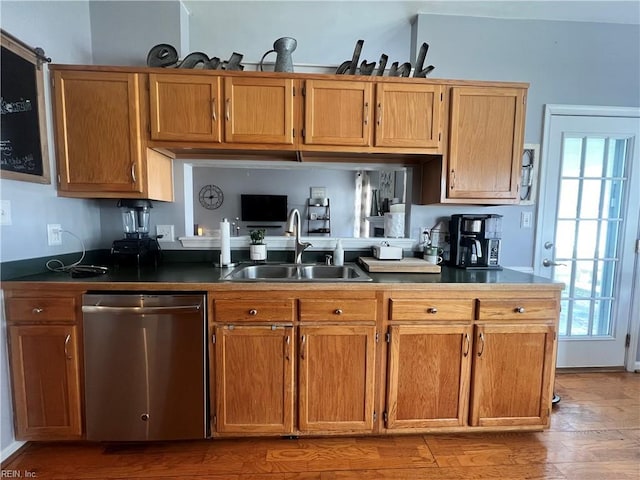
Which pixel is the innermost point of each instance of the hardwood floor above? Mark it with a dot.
(595, 434)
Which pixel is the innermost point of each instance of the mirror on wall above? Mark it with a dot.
(334, 201)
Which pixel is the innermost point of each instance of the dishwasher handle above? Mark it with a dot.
(140, 310)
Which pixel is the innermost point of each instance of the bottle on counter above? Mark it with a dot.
(338, 253)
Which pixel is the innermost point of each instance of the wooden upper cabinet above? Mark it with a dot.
(254, 379)
(338, 112)
(428, 376)
(336, 378)
(185, 107)
(46, 381)
(512, 374)
(408, 115)
(259, 110)
(485, 143)
(98, 131)
(100, 134)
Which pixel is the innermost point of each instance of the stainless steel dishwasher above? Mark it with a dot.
(145, 366)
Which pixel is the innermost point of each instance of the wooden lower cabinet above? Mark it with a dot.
(254, 379)
(46, 381)
(428, 376)
(512, 373)
(336, 378)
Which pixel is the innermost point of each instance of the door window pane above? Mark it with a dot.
(594, 157)
(568, 203)
(571, 157)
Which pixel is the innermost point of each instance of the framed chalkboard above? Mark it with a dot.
(23, 130)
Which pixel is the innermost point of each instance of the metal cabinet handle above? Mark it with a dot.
(287, 342)
(213, 110)
(468, 344)
(338, 311)
(366, 113)
(453, 179)
(133, 173)
(432, 310)
(66, 344)
(519, 310)
(481, 345)
(303, 339)
(37, 310)
(379, 113)
(227, 109)
(253, 312)
(144, 417)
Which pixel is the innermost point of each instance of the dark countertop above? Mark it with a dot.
(201, 275)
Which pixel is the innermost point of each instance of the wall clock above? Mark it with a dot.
(211, 197)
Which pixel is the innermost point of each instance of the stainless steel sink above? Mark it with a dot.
(290, 272)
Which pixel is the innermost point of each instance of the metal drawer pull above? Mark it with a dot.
(303, 339)
(37, 310)
(433, 310)
(482, 344)
(144, 417)
(287, 341)
(366, 113)
(227, 109)
(338, 311)
(379, 113)
(468, 342)
(519, 310)
(253, 312)
(66, 344)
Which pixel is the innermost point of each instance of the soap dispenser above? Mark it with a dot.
(338, 253)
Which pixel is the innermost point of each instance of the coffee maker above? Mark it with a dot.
(136, 248)
(475, 241)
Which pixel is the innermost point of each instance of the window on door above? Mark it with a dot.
(592, 188)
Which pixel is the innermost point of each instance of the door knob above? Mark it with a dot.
(549, 263)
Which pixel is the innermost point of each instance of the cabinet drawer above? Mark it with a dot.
(431, 309)
(337, 310)
(53, 309)
(254, 310)
(525, 309)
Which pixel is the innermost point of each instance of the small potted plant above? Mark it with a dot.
(257, 249)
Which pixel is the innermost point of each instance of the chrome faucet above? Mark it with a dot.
(294, 218)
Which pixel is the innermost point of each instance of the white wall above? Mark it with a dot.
(62, 30)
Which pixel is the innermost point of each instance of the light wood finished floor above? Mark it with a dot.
(595, 434)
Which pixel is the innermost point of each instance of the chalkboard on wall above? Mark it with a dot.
(23, 142)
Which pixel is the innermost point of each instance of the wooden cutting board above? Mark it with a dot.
(406, 265)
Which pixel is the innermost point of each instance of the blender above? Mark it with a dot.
(136, 248)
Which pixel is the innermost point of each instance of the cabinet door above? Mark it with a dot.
(428, 376)
(254, 379)
(98, 131)
(337, 113)
(184, 107)
(336, 378)
(485, 142)
(511, 380)
(46, 385)
(408, 115)
(258, 110)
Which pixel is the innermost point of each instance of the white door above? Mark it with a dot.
(588, 226)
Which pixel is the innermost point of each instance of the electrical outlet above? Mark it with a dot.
(5, 212)
(166, 231)
(54, 234)
(525, 220)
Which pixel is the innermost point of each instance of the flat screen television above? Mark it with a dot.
(263, 208)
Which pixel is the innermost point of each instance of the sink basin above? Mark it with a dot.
(297, 273)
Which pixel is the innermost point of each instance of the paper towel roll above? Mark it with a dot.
(225, 242)
(394, 225)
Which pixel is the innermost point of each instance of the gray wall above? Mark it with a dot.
(62, 29)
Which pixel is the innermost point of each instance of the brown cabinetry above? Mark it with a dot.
(336, 378)
(485, 140)
(100, 128)
(259, 111)
(185, 107)
(254, 379)
(45, 368)
(514, 362)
